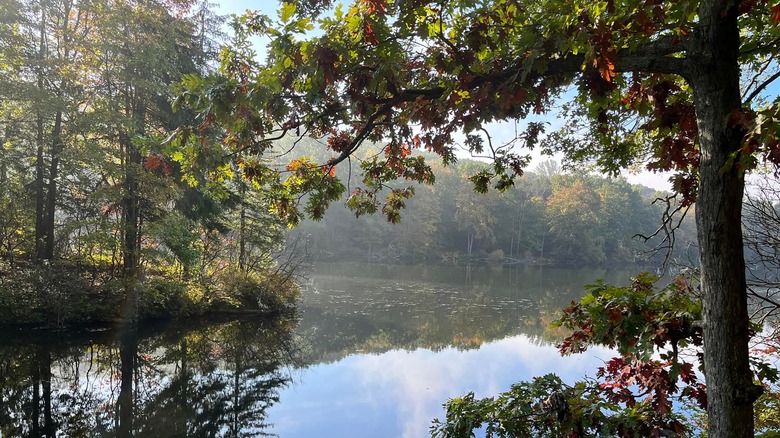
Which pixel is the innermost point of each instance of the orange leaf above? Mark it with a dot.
(369, 36)
(607, 70)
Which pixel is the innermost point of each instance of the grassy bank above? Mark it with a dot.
(70, 293)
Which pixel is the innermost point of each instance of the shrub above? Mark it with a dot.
(162, 298)
(271, 291)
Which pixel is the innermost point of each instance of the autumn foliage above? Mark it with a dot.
(653, 388)
(648, 83)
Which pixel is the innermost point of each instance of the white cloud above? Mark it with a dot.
(398, 393)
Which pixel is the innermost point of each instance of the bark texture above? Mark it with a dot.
(715, 80)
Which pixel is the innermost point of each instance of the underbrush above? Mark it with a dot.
(69, 293)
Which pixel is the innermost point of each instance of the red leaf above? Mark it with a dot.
(369, 36)
(774, 12)
(326, 60)
(742, 118)
(152, 163)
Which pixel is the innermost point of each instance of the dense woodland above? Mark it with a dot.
(549, 217)
(97, 220)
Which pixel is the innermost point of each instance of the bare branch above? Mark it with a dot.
(762, 87)
(671, 220)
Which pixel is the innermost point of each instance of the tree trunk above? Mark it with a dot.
(128, 350)
(3, 162)
(4, 196)
(40, 186)
(135, 109)
(51, 195)
(130, 219)
(715, 79)
(242, 231)
(40, 195)
(56, 146)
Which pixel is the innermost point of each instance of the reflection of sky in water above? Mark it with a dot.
(398, 393)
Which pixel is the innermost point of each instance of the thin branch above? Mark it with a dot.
(667, 228)
(490, 141)
(245, 147)
(759, 72)
(762, 87)
(369, 126)
(294, 145)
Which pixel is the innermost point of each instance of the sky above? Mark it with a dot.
(398, 393)
(500, 132)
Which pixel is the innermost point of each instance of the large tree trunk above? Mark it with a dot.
(56, 146)
(715, 78)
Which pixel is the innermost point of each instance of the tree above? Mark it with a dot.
(475, 218)
(145, 46)
(573, 215)
(762, 230)
(654, 81)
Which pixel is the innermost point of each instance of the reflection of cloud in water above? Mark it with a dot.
(398, 393)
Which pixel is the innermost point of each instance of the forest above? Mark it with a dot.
(99, 217)
(549, 217)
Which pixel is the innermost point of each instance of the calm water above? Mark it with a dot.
(375, 351)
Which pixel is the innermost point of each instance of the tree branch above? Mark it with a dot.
(762, 87)
(358, 140)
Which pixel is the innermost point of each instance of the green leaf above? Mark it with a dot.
(286, 12)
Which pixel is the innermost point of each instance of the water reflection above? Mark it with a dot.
(398, 393)
(387, 345)
(366, 308)
(214, 379)
(376, 352)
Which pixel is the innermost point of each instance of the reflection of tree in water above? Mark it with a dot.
(216, 379)
(431, 319)
(376, 308)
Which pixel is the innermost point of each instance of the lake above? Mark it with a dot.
(375, 350)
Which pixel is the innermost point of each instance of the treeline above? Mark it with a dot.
(92, 196)
(574, 219)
